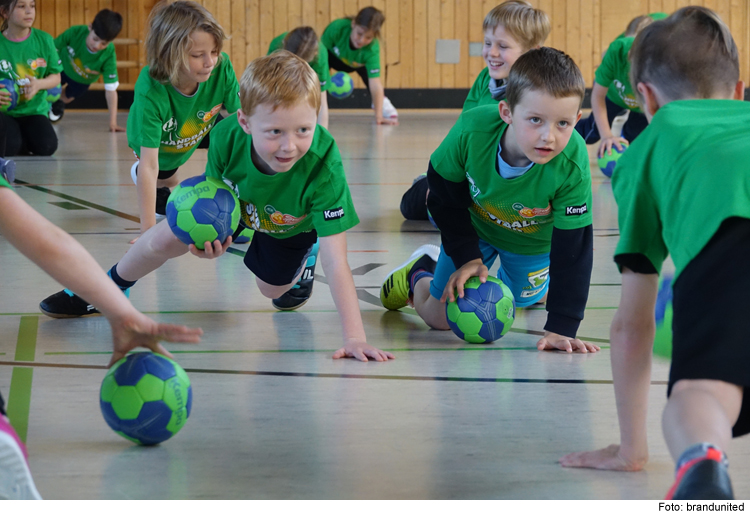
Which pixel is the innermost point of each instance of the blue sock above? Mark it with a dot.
(121, 283)
(416, 276)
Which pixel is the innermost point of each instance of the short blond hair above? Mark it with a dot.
(690, 54)
(168, 41)
(529, 26)
(279, 79)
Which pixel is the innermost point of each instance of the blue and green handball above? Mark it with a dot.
(9, 87)
(485, 313)
(53, 94)
(341, 86)
(146, 398)
(663, 316)
(608, 162)
(201, 210)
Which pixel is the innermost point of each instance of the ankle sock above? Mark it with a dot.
(121, 283)
(424, 267)
(699, 451)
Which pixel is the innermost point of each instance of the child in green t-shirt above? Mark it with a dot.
(353, 45)
(30, 66)
(177, 99)
(612, 95)
(304, 42)
(87, 53)
(58, 254)
(510, 29)
(288, 175)
(511, 182)
(682, 189)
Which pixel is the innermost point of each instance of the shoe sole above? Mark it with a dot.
(14, 473)
(66, 316)
(290, 309)
(427, 249)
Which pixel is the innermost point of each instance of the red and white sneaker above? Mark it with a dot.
(703, 478)
(389, 111)
(15, 477)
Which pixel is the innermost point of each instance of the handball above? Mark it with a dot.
(608, 162)
(146, 398)
(342, 85)
(53, 94)
(201, 210)
(485, 313)
(9, 87)
(663, 316)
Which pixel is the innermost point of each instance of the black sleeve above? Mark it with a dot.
(570, 262)
(449, 204)
(636, 262)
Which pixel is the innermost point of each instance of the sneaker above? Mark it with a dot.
(162, 196)
(395, 291)
(245, 236)
(134, 172)
(56, 111)
(66, 304)
(16, 482)
(414, 200)
(300, 293)
(389, 111)
(8, 169)
(704, 478)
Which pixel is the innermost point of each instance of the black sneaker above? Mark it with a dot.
(162, 195)
(704, 478)
(66, 304)
(300, 293)
(8, 169)
(56, 111)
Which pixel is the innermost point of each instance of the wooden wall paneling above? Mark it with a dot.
(433, 33)
(266, 32)
(738, 25)
(461, 32)
(337, 10)
(573, 30)
(76, 15)
(280, 19)
(420, 43)
(210, 5)
(596, 53)
(558, 37)
(62, 16)
(447, 31)
(308, 14)
(586, 54)
(238, 42)
(224, 14)
(476, 18)
(351, 8)
(406, 38)
(393, 20)
(253, 48)
(322, 15)
(293, 14)
(390, 45)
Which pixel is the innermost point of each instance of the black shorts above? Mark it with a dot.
(73, 89)
(710, 314)
(278, 261)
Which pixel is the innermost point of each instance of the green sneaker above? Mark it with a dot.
(395, 291)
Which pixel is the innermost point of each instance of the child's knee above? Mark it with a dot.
(270, 291)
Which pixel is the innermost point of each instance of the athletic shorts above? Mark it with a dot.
(74, 89)
(278, 261)
(710, 314)
(527, 276)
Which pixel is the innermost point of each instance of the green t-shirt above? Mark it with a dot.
(80, 64)
(480, 92)
(319, 64)
(35, 56)
(516, 215)
(685, 175)
(163, 118)
(313, 194)
(614, 73)
(652, 16)
(336, 38)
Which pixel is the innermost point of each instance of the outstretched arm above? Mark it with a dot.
(632, 340)
(62, 257)
(340, 280)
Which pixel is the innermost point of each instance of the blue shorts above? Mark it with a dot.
(74, 89)
(527, 276)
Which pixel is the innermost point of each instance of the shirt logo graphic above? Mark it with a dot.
(170, 126)
(333, 214)
(576, 210)
(282, 219)
(528, 212)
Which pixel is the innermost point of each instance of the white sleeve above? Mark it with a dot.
(111, 87)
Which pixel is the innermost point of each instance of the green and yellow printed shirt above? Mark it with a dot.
(82, 65)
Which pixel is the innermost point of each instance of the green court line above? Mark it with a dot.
(19, 397)
(80, 201)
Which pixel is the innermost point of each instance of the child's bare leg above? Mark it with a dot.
(430, 309)
(170, 182)
(151, 251)
(700, 411)
(274, 292)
